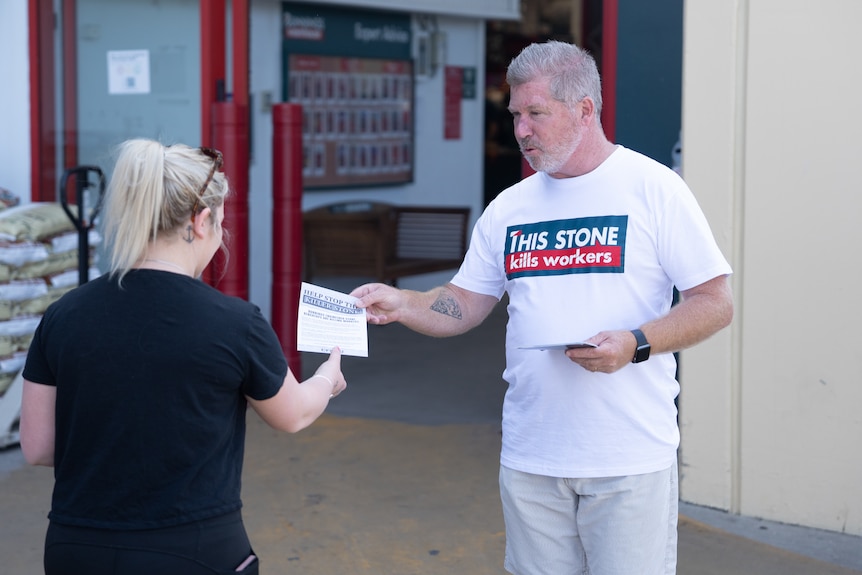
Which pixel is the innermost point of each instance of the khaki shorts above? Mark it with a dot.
(601, 526)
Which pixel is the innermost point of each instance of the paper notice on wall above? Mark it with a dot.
(327, 319)
(128, 71)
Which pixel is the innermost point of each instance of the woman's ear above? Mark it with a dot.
(198, 225)
(200, 221)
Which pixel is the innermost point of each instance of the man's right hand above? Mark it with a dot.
(381, 302)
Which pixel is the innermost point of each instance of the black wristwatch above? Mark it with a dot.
(643, 348)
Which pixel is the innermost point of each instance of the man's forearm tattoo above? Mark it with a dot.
(447, 305)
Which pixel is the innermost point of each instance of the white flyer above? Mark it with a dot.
(327, 319)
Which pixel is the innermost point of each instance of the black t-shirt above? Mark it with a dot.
(151, 382)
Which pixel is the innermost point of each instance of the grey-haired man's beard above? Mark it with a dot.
(552, 158)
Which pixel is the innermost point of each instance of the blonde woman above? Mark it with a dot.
(137, 383)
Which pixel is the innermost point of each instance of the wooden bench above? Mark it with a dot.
(383, 241)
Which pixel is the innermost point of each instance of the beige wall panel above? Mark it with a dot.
(801, 375)
(709, 134)
(772, 420)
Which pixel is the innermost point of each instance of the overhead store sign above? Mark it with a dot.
(331, 31)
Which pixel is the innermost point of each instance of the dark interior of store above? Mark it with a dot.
(578, 21)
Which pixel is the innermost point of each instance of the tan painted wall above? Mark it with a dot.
(771, 409)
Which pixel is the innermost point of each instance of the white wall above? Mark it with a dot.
(771, 411)
(14, 99)
(446, 172)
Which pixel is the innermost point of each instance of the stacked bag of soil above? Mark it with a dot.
(38, 264)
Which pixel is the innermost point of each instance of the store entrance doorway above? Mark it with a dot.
(577, 21)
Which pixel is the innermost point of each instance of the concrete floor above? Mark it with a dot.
(400, 477)
(371, 497)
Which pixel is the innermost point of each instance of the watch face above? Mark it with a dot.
(643, 347)
(642, 353)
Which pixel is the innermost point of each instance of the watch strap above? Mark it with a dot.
(642, 350)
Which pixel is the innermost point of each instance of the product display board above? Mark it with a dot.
(357, 119)
(351, 71)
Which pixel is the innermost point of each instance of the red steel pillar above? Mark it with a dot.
(287, 227)
(526, 169)
(230, 135)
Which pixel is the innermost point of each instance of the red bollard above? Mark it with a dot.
(230, 135)
(287, 227)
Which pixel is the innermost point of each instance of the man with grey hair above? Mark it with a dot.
(589, 250)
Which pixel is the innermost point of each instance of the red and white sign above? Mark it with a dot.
(452, 107)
